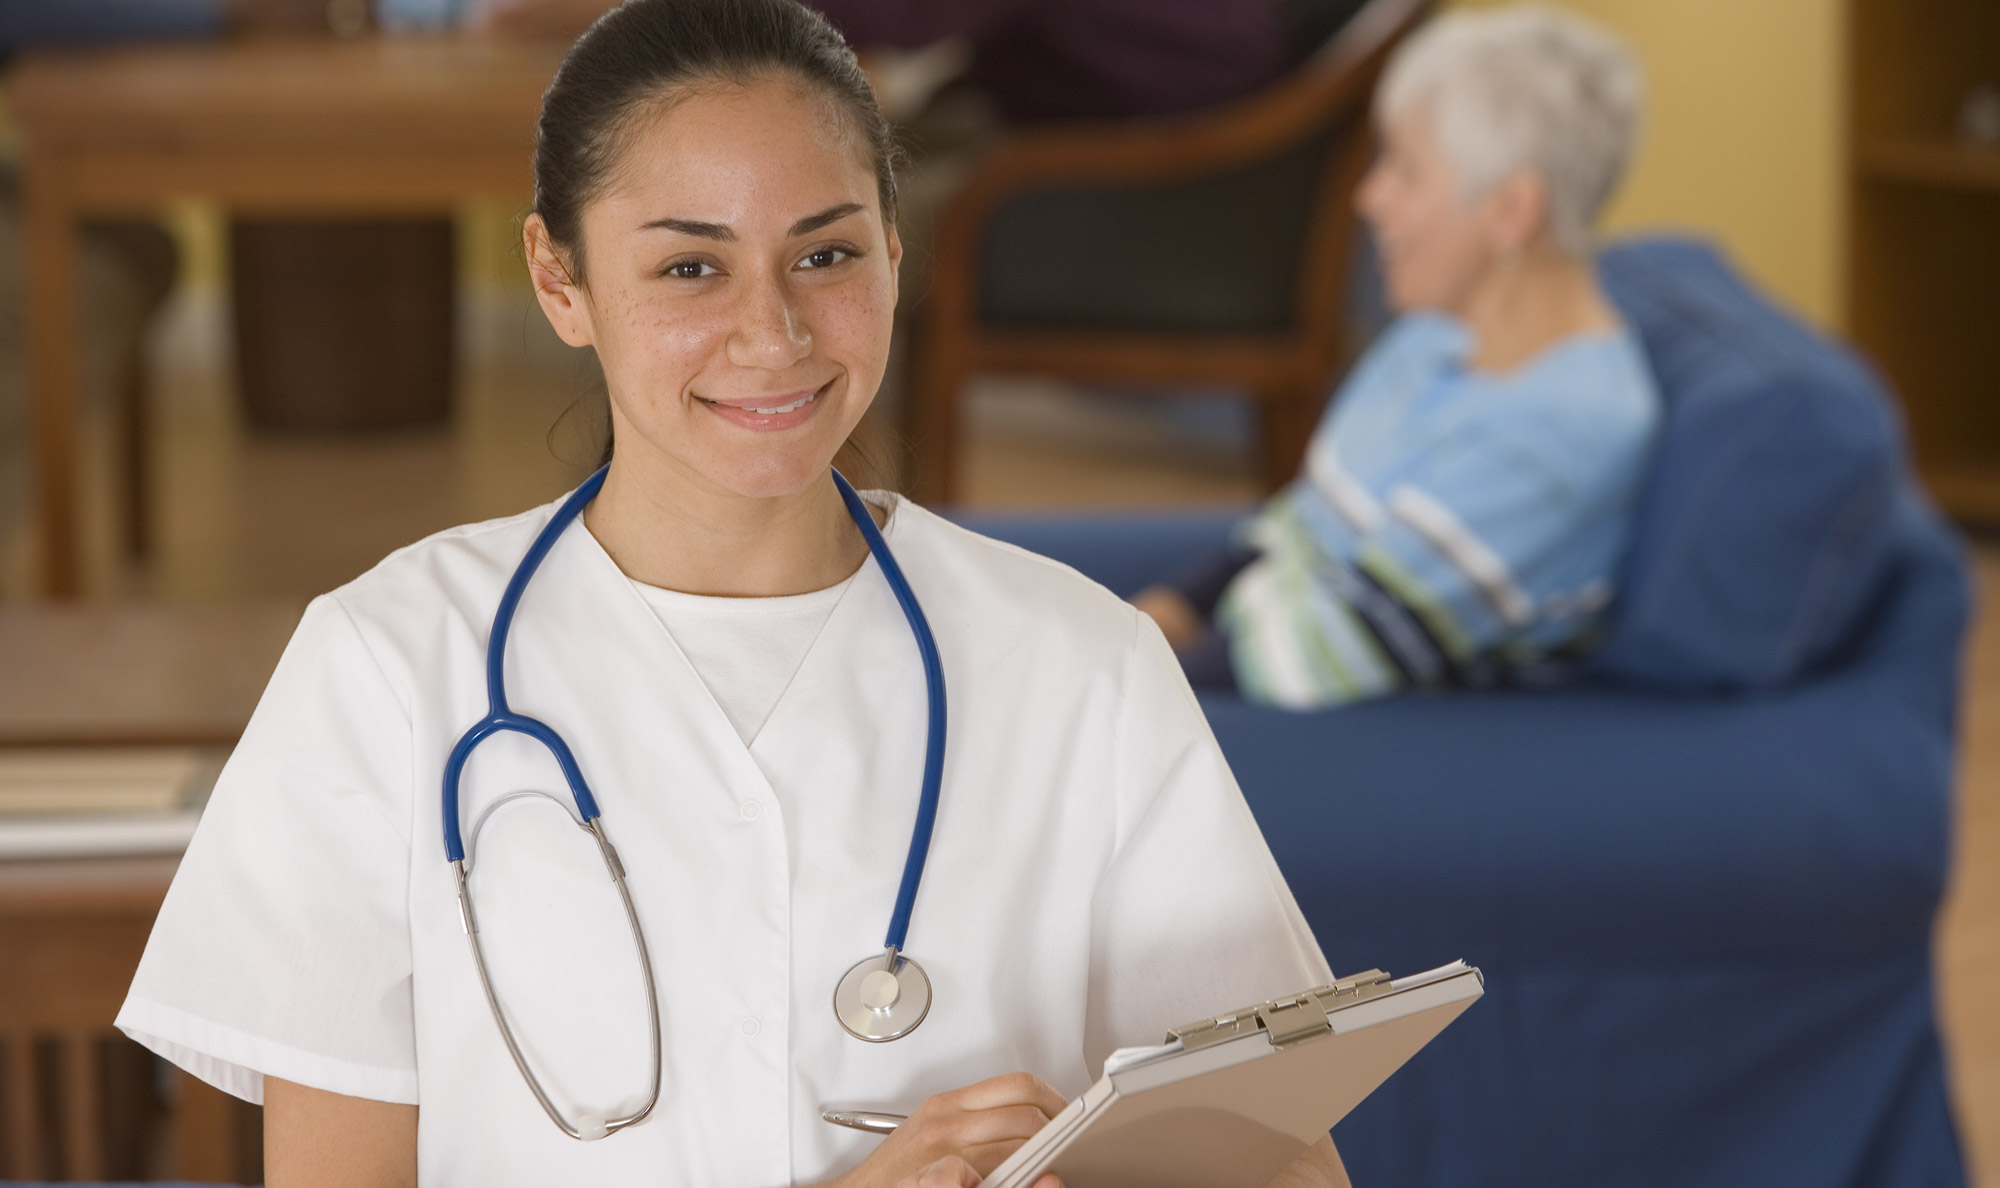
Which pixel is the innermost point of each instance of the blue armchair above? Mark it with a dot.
(1701, 882)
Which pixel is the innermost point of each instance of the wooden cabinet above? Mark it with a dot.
(1923, 291)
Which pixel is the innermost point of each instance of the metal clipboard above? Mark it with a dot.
(1232, 1100)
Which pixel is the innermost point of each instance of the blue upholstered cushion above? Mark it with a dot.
(1768, 521)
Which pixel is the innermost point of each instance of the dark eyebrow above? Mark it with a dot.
(719, 231)
(723, 233)
(832, 214)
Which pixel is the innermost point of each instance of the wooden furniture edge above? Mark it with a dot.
(1344, 73)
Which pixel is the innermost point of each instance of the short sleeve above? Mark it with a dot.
(1191, 917)
(283, 947)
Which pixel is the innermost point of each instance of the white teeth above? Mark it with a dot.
(792, 407)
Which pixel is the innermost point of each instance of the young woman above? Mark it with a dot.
(391, 930)
(1464, 505)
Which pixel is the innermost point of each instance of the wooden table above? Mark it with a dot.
(71, 930)
(323, 127)
(160, 674)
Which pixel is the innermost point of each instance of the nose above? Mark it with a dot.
(769, 332)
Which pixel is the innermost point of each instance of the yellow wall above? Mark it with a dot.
(1743, 133)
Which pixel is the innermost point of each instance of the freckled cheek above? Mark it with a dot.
(662, 352)
(851, 325)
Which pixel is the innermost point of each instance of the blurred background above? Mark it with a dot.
(266, 320)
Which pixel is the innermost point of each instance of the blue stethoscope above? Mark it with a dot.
(881, 997)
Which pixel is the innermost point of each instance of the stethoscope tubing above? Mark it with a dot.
(501, 718)
(927, 801)
(498, 716)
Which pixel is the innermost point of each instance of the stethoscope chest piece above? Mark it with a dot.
(882, 997)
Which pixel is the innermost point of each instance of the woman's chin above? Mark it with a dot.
(772, 474)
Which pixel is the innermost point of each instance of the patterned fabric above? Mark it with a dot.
(1450, 527)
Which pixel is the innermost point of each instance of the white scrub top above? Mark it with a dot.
(1095, 877)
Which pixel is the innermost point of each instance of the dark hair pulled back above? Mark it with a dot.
(645, 50)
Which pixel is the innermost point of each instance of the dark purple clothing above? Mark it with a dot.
(25, 23)
(1088, 59)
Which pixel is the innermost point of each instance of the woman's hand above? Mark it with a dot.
(953, 1172)
(956, 1139)
(1319, 1167)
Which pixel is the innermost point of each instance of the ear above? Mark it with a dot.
(1517, 212)
(563, 300)
(895, 250)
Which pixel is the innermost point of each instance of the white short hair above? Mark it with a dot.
(1524, 87)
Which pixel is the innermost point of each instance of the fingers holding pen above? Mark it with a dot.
(1007, 1090)
(953, 1172)
(986, 1122)
(949, 1172)
(967, 1131)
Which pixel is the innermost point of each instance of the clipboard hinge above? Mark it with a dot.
(1293, 1019)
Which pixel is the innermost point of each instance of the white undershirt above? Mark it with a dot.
(746, 650)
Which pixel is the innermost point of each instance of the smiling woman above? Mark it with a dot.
(739, 289)
(716, 215)
(706, 652)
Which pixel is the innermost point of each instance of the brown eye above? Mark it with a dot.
(825, 257)
(689, 269)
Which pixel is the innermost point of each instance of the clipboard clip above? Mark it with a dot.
(1290, 1020)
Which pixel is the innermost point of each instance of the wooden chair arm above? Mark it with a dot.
(1340, 77)
(1170, 148)
(1286, 372)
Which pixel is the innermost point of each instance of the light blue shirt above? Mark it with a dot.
(1449, 524)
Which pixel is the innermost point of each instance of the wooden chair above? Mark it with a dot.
(1201, 250)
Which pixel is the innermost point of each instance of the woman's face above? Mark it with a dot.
(740, 287)
(1435, 245)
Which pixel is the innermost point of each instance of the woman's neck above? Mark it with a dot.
(1525, 307)
(680, 532)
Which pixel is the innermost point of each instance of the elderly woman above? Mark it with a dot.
(1466, 500)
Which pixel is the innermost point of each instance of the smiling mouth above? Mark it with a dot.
(794, 406)
(773, 410)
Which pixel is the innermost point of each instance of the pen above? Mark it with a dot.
(864, 1120)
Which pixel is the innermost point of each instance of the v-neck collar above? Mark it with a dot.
(671, 662)
(676, 611)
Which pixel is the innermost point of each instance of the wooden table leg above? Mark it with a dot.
(932, 416)
(23, 1123)
(201, 1140)
(135, 446)
(83, 1106)
(50, 224)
